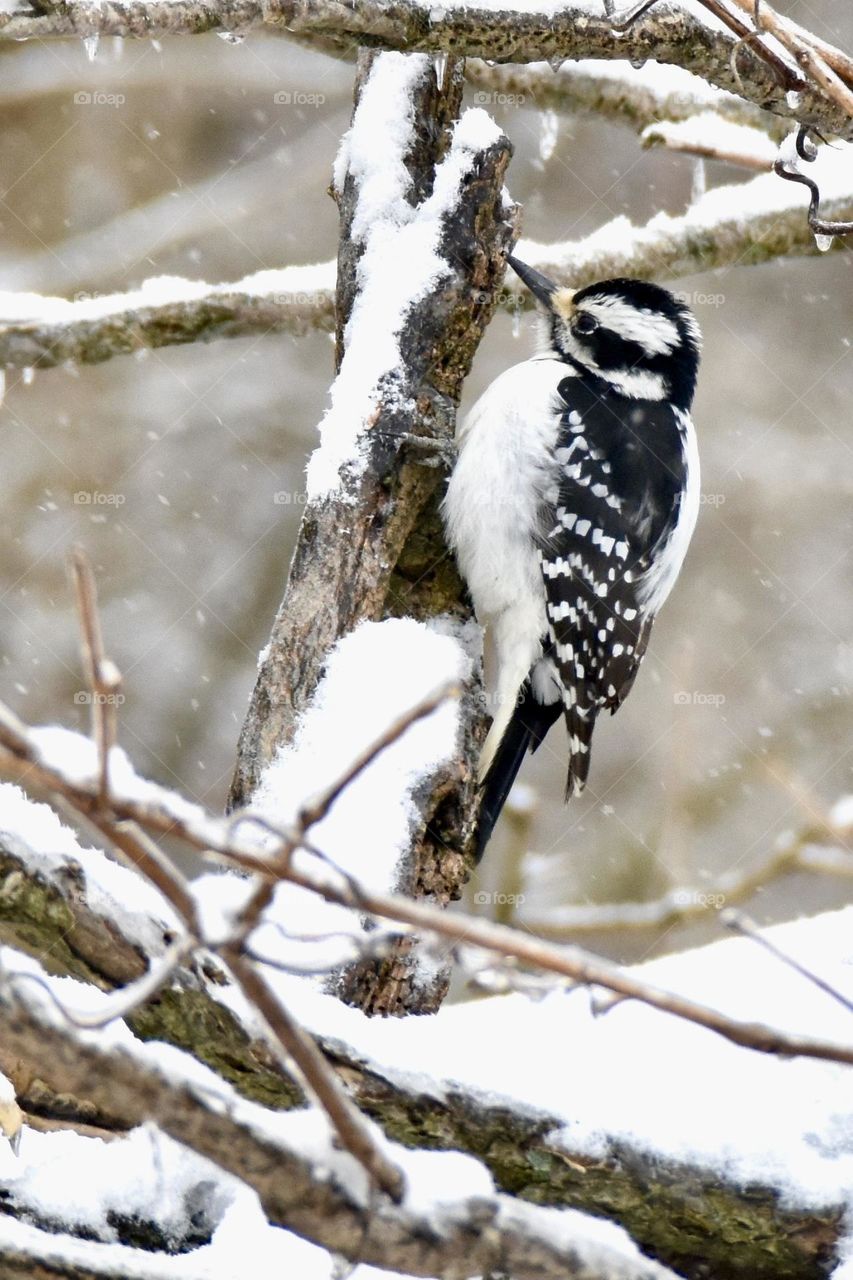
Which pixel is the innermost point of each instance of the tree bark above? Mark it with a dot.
(375, 548)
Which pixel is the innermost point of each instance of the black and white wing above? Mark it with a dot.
(606, 548)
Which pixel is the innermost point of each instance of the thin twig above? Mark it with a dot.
(102, 674)
(803, 49)
(286, 1034)
(204, 832)
(740, 923)
(314, 810)
(123, 1002)
(570, 962)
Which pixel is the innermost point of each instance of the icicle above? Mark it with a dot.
(156, 46)
(230, 37)
(516, 322)
(90, 44)
(824, 243)
(700, 183)
(638, 63)
(2, 386)
(440, 68)
(556, 61)
(28, 375)
(549, 128)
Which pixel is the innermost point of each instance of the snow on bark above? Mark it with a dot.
(36, 837)
(373, 675)
(401, 258)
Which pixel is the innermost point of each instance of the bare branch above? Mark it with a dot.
(103, 675)
(805, 51)
(813, 849)
(739, 923)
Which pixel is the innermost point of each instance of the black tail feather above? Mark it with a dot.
(528, 726)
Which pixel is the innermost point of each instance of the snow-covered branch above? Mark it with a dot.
(683, 34)
(636, 96)
(47, 752)
(538, 1149)
(745, 224)
(451, 1220)
(730, 226)
(579, 1144)
(44, 332)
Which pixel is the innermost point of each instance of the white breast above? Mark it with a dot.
(504, 470)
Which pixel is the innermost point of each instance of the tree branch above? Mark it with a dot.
(747, 1237)
(666, 33)
(46, 332)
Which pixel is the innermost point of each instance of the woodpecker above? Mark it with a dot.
(570, 509)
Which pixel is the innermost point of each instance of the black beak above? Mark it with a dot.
(540, 286)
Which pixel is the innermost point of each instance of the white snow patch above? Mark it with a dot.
(400, 261)
(722, 206)
(78, 1182)
(711, 132)
(373, 675)
(299, 284)
(36, 835)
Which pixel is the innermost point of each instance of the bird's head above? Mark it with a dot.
(636, 336)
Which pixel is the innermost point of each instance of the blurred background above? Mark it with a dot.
(135, 159)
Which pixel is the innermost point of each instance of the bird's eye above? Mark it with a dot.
(585, 323)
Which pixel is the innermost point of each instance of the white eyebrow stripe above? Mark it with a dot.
(656, 333)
